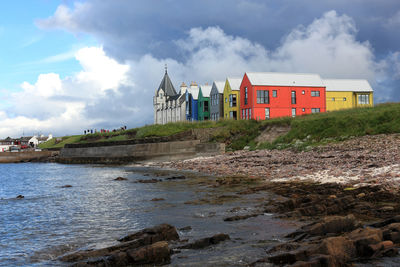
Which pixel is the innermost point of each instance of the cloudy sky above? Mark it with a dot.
(66, 66)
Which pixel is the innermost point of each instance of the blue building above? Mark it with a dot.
(192, 94)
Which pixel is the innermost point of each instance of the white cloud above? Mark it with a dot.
(63, 18)
(110, 94)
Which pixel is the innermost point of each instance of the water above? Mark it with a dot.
(95, 211)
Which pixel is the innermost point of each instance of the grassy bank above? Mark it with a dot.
(305, 131)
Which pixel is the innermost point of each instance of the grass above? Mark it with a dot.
(305, 131)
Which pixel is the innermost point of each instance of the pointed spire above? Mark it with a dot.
(166, 68)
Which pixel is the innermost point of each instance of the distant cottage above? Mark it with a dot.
(258, 96)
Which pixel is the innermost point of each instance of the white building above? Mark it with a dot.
(169, 106)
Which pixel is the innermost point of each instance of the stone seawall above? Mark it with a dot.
(29, 156)
(163, 151)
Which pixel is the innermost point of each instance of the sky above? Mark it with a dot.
(67, 65)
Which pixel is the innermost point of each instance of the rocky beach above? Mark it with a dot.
(341, 199)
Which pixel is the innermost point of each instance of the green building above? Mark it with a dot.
(204, 102)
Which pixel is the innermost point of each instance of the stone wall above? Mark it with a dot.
(29, 156)
(161, 151)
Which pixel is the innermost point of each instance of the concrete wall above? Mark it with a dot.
(35, 156)
(139, 152)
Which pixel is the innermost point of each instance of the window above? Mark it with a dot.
(303, 109)
(262, 97)
(363, 99)
(303, 92)
(205, 106)
(267, 113)
(230, 101)
(233, 100)
(344, 99)
(315, 110)
(242, 113)
(314, 93)
(250, 114)
(293, 97)
(274, 93)
(226, 100)
(333, 99)
(293, 112)
(245, 95)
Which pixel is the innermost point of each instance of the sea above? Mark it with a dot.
(77, 207)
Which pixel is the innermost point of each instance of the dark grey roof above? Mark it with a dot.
(167, 85)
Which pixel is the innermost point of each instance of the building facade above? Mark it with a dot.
(216, 101)
(266, 95)
(169, 106)
(348, 93)
(231, 101)
(203, 104)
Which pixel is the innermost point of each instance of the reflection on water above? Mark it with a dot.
(95, 211)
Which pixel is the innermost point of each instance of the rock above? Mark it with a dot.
(20, 197)
(332, 196)
(145, 237)
(186, 228)
(241, 217)
(149, 181)
(361, 195)
(157, 253)
(341, 248)
(386, 208)
(157, 199)
(162, 232)
(206, 242)
(66, 186)
(120, 179)
(395, 219)
(384, 245)
(363, 238)
(331, 224)
(179, 177)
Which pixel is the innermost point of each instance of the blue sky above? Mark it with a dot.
(27, 51)
(70, 65)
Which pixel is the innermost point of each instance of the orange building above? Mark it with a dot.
(265, 95)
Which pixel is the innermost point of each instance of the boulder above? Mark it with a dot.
(157, 253)
(340, 248)
(363, 238)
(162, 232)
(120, 179)
(206, 242)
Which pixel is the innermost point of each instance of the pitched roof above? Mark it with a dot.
(167, 85)
(352, 85)
(285, 79)
(205, 90)
(219, 86)
(194, 91)
(235, 83)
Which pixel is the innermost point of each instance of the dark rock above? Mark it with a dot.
(145, 237)
(158, 199)
(394, 219)
(149, 181)
(206, 242)
(120, 179)
(363, 238)
(66, 186)
(157, 253)
(331, 224)
(179, 177)
(241, 217)
(162, 232)
(340, 248)
(186, 228)
(20, 197)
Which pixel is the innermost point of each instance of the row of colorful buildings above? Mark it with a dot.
(259, 96)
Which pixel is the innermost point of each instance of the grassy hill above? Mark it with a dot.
(304, 131)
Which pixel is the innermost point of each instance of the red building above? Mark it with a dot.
(265, 95)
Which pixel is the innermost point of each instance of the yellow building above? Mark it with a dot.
(232, 98)
(346, 93)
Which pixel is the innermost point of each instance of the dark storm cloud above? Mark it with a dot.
(129, 29)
